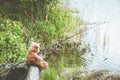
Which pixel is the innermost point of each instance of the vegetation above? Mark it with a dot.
(42, 21)
(12, 47)
(50, 74)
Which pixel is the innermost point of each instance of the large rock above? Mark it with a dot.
(103, 75)
(21, 72)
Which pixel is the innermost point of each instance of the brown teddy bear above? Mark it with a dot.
(33, 58)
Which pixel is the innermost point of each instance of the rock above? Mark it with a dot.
(21, 72)
(103, 75)
(73, 73)
(17, 73)
(33, 74)
(81, 74)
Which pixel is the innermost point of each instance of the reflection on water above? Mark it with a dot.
(103, 41)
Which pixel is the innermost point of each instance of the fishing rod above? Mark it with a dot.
(81, 30)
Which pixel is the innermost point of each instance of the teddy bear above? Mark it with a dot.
(33, 58)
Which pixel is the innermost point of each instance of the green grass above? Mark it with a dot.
(50, 74)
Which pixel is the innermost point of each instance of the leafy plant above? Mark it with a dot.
(12, 47)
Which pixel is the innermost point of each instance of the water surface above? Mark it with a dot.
(103, 41)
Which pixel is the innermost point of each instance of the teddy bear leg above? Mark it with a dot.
(43, 64)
